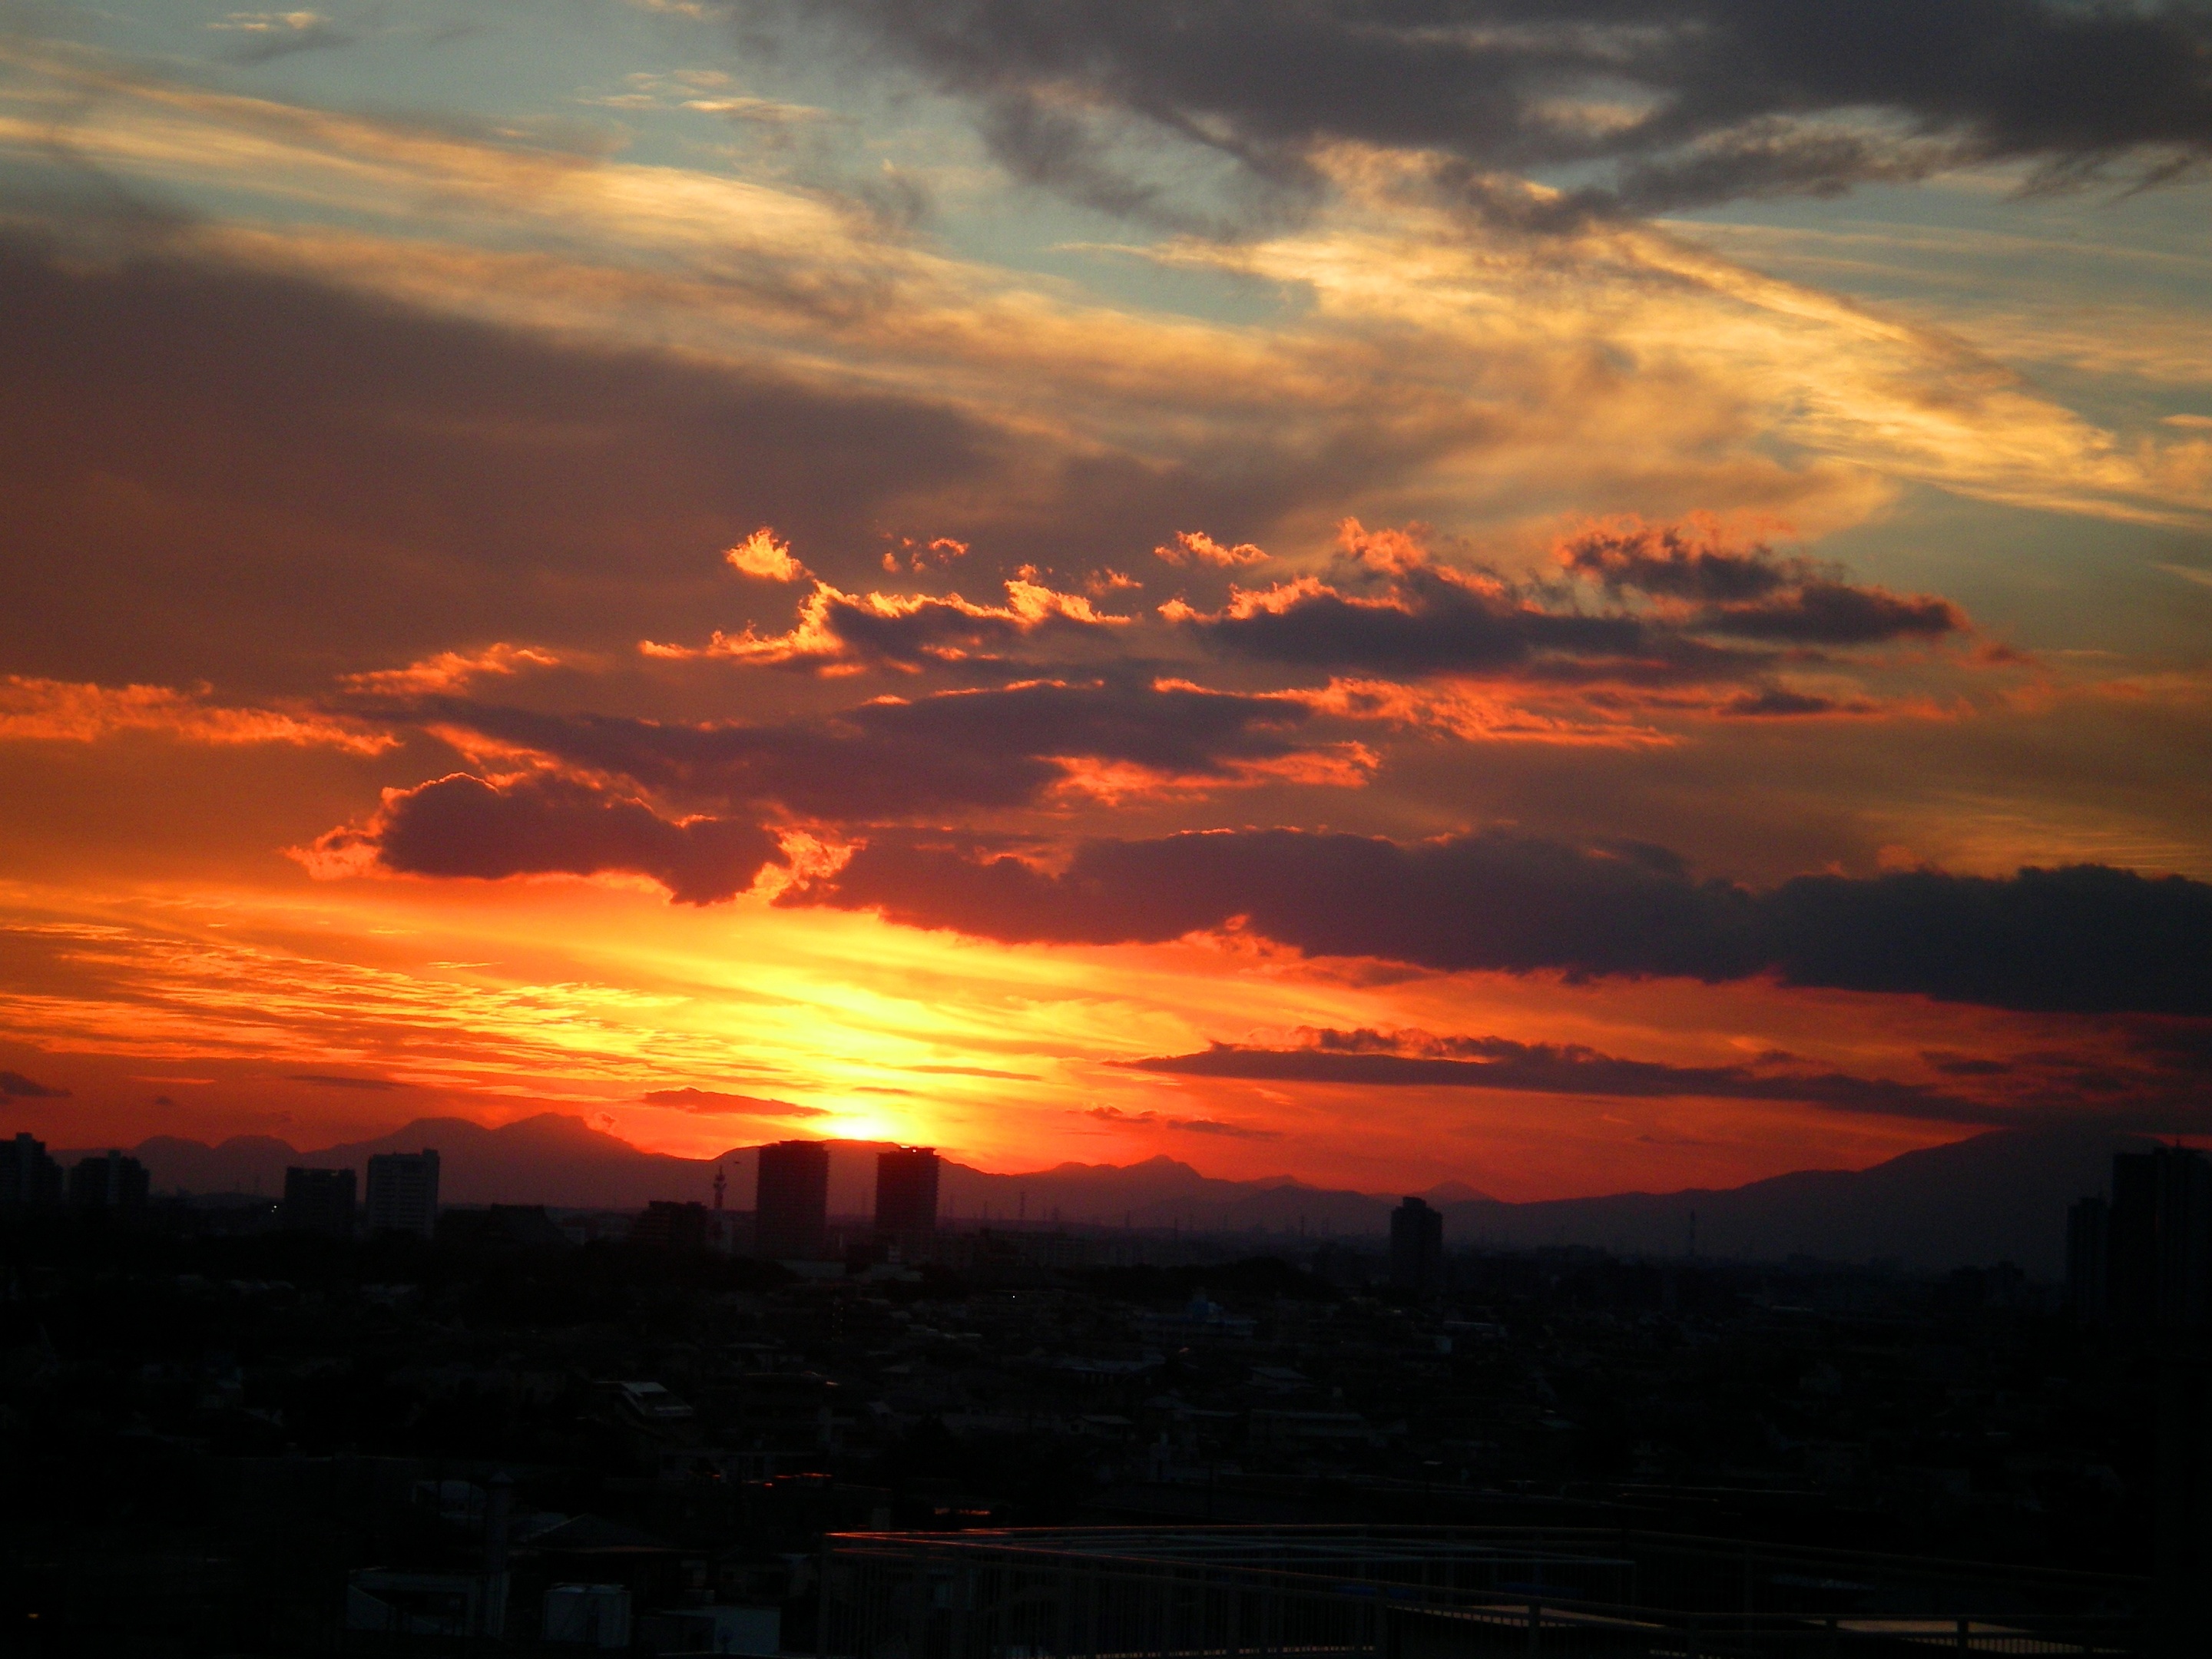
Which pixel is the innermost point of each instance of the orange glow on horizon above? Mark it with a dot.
(495, 1002)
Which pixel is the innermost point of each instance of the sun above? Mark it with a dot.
(862, 1126)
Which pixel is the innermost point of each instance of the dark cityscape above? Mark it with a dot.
(306, 1425)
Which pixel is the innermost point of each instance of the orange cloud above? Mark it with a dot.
(939, 551)
(452, 671)
(1196, 547)
(60, 711)
(762, 555)
(841, 633)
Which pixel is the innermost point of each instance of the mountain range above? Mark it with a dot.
(1997, 1196)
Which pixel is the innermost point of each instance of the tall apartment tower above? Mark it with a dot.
(108, 1181)
(2088, 1265)
(320, 1201)
(402, 1193)
(1416, 1247)
(906, 1191)
(2158, 1253)
(27, 1175)
(791, 1210)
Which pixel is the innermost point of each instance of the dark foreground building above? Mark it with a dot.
(906, 1191)
(666, 1224)
(27, 1175)
(108, 1181)
(2088, 1269)
(1416, 1247)
(791, 1210)
(2145, 1258)
(318, 1201)
(402, 1193)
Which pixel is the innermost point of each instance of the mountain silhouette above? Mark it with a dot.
(1998, 1196)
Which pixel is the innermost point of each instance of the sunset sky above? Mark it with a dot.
(1615, 593)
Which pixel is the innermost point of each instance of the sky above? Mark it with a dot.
(1610, 594)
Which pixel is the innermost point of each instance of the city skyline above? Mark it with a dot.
(1609, 600)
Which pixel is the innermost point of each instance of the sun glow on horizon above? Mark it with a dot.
(497, 1002)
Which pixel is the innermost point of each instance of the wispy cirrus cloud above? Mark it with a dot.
(266, 36)
(1672, 105)
(1192, 1126)
(1369, 1059)
(451, 671)
(714, 1102)
(1484, 341)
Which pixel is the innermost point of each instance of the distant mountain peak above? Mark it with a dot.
(1457, 1192)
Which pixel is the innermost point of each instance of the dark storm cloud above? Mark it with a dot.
(2085, 938)
(1703, 100)
(14, 1086)
(463, 826)
(995, 748)
(1371, 1059)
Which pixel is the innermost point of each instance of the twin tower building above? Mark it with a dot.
(791, 1211)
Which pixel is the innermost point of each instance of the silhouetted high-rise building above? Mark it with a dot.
(906, 1191)
(1416, 1247)
(667, 1226)
(2088, 1269)
(108, 1181)
(2131, 1240)
(791, 1210)
(27, 1175)
(402, 1193)
(2159, 1249)
(320, 1201)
